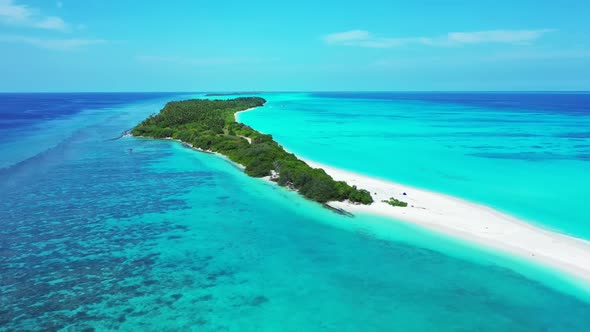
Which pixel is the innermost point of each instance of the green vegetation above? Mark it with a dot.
(395, 202)
(210, 125)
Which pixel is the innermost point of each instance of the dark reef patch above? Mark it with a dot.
(528, 156)
(203, 298)
(574, 135)
(92, 239)
(258, 301)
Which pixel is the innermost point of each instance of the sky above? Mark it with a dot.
(369, 45)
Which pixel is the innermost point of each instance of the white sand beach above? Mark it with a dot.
(469, 221)
(236, 115)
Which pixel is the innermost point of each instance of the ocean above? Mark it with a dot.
(99, 232)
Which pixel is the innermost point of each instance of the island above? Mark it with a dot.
(238, 93)
(210, 125)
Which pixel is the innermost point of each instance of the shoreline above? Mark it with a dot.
(470, 222)
(246, 110)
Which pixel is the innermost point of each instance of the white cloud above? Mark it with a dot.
(10, 12)
(195, 61)
(363, 38)
(347, 37)
(52, 23)
(496, 36)
(25, 16)
(69, 44)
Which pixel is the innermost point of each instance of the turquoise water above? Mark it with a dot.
(135, 234)
(527, 155)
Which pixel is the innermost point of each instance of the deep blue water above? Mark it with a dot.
(31, 123)
(570, 103)
(19, 110)
(128, 234)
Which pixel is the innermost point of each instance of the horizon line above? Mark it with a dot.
(237, 92)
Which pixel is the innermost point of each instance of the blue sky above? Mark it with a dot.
(93, 45)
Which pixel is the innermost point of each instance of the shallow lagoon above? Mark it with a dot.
(525, 154)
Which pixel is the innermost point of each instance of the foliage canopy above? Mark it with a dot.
(210, 125)
(395, 202)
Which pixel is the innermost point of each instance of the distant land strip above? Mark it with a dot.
(219, 94)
